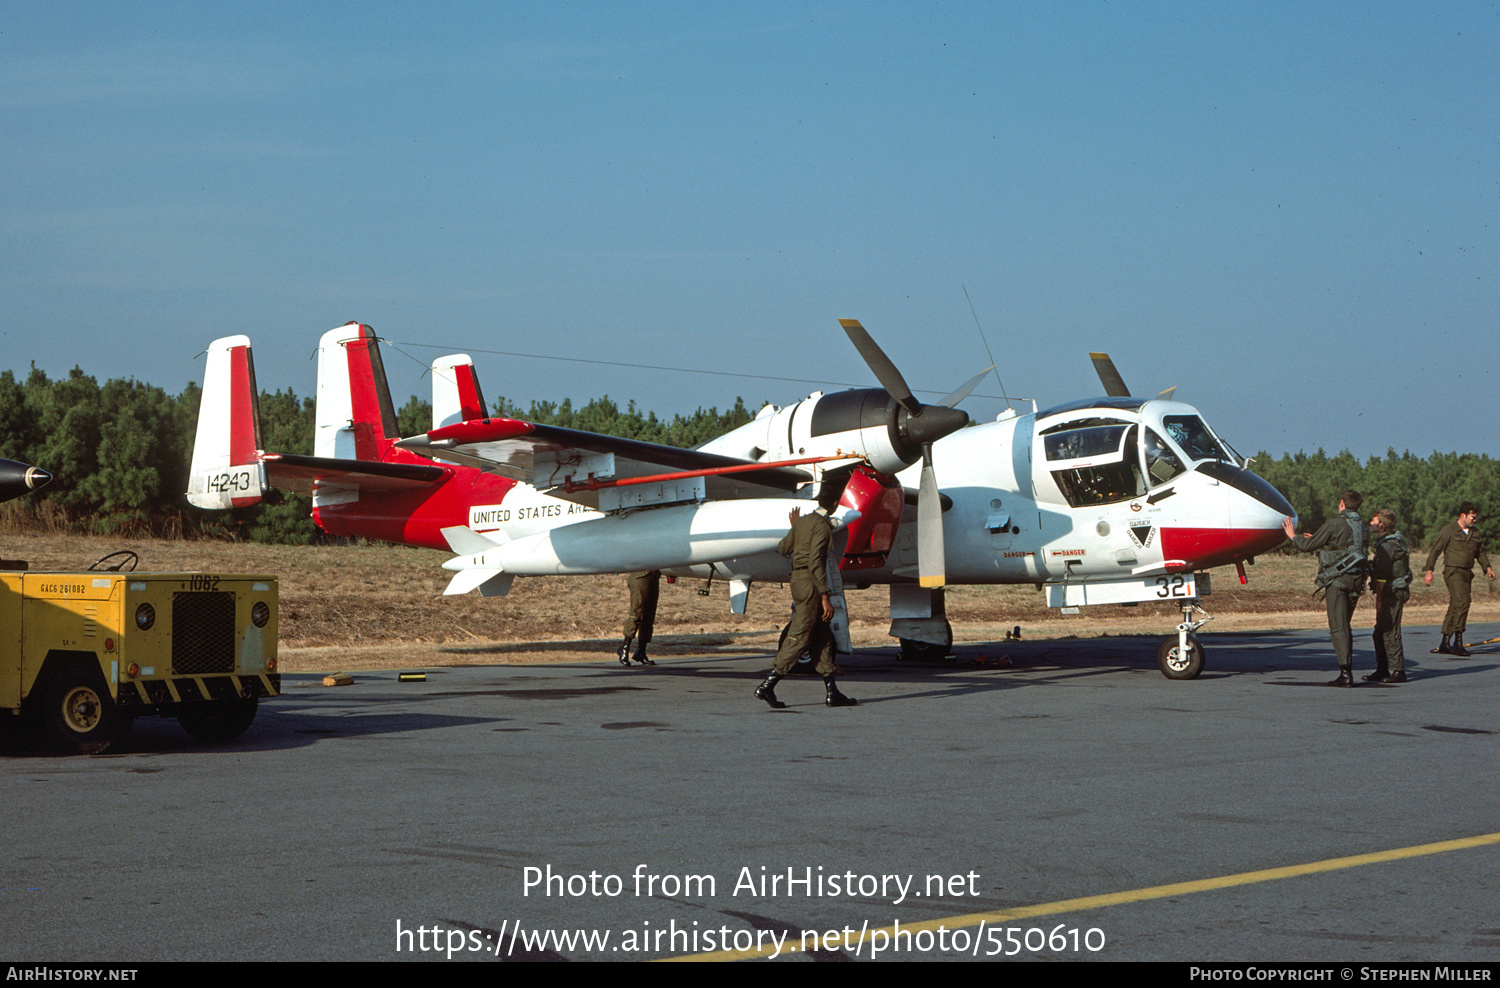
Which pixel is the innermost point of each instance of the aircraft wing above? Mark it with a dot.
(562, 461)
(293, 472)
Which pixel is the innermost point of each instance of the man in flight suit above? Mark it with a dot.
(1460, 544)
(1390, 583)
(645, 589)
(807, 544)
(1342, 567)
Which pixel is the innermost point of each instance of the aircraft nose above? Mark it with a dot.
(18, 478)
(1256, 509)
(1251, 484)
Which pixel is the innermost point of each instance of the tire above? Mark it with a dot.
(77, 713)
(1174, 665)
(915, 651)
(216, 721)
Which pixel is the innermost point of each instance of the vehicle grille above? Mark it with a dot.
(202, 632)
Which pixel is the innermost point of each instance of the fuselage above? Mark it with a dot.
(1102, 490)
(1095, 491)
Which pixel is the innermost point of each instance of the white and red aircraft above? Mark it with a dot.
(1113, 500)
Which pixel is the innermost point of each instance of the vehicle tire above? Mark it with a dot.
(214, 721)
(1175, 665)
(76, 711)
(915, 651)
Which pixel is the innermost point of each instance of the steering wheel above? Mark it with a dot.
(127, 563)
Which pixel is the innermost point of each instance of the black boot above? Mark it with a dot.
(835, 698)
(1443, 649)
(625, 651)
(767, 691)
(1458, 645)
(640, 655)
(1346, 678)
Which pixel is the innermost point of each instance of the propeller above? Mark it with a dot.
(1114, 384)
(924, 425)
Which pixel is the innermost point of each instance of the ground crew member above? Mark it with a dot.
(1390, 583)
(1342, 567)
(645, 590)
(1460, 544)
(807, 544)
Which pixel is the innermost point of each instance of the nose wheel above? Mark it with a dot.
(1181, 656)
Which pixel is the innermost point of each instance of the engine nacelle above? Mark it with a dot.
(865, 422)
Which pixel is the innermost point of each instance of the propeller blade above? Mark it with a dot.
(1114, 384)
(1167, 394)
(931, 566)
(963, 391)
(885, 372)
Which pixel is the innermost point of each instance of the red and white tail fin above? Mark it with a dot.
(226, 471)
(355, 417)
(455, 391)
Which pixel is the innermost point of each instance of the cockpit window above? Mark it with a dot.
(1087, 443)
(1161, 463)
(1191, 435)
(1110, 468)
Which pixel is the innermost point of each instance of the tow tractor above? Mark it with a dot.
(82, 655)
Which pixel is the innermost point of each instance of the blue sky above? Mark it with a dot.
(1288, 211)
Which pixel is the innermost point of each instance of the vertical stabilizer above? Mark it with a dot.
(226, 471)
(356, 420)
(455, 391)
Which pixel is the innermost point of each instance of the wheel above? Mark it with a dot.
(77, 713)
(915, 651)
(1174, 664)
(127, 559)
(214, 721)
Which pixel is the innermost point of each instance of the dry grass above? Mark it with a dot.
(346, 606)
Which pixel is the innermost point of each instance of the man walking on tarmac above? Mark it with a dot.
(807, 544)
(645, 590)
(1460, 544)
(1390, 583)
(1342, 567)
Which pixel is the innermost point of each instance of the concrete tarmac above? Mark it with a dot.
(1032, 800)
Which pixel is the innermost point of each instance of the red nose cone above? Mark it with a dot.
(1205, 548)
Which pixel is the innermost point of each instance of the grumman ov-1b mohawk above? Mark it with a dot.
(1107, 501)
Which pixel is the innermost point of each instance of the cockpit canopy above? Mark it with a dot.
(1120, 448)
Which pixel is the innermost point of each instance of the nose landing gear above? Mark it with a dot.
(1181, 656)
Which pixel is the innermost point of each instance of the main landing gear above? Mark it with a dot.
(1181, 655)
